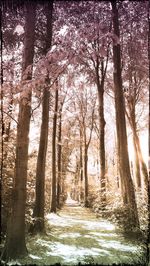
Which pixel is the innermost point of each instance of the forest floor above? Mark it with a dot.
(75, 235)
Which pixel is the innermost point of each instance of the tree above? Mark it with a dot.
(135, 80)
(59, 148)
(86, 102)
(59, 159)
(124, 168)
(15, 245)
(93, 57)
(54, 199)
(67, 149)
(86, 146)
(131, 100)
(81, 196)
(148, 191)
(9, 42)
(100, 88)
(38, 212)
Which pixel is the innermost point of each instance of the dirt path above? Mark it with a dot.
(76, 235)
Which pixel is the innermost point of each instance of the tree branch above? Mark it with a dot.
(10, 117)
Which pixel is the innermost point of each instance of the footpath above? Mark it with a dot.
(75, 235)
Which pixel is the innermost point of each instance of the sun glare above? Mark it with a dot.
(144, 147)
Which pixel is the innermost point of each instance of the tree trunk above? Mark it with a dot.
(15, 245)
(38, 212)
(142, 163)
(148, 190)
(139, 161)
(7, 128)
(100, 90)
(59, 160)
(2, 120)
(102, 143)
(137, 165)
(81, 197)
(8, 125)
(54, 200)
(86, 176)
(132, 121)
(124, 168)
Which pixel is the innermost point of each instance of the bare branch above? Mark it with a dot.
(10, 117)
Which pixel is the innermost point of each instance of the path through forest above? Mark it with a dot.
(75, 235)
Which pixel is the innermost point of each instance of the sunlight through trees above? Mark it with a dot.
(74, 132)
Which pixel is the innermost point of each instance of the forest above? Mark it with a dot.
(75, 80)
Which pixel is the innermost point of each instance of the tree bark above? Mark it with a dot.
(54, 200)
(15, 245)
(100, 89)
(102, 142)
(137, 165)
(7, 128)
(81, 197)
(86, 176)
(59, 149)
(8, 125)
(124, 168)
(148, 190)
(38, 212)
(86, 144)
(132, 122)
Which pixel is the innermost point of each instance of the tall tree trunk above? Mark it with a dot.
(81, 197)
(100, 89)
(54, 200)
(132, 121)
(124, 168)
(15, 245)
(86, 176)
(2, 127)
(38, 212)
(148, 190)
(59, 150)
(85, 165)
(102, 143)
(86, 143)
(117, 164)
